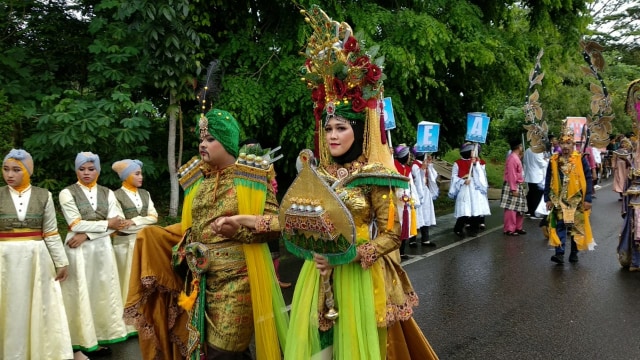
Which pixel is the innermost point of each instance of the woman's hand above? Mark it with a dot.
(322, 264)
(77, 240)
(61, 274)
(115, 223)
(127, 224)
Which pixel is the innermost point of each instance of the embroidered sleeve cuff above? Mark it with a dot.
(263, 223)
(368, 255)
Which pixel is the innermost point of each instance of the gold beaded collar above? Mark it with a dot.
(342, 171)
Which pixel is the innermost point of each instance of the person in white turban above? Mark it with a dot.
(33, 264)
(92, 295)
(139, 212)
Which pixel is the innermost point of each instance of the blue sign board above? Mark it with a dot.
(387, 113)
(477, 127)
(428, 135)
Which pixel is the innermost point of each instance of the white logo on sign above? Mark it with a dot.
(476, 128)
(427, 135)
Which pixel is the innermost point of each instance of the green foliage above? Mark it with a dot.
(102, 75)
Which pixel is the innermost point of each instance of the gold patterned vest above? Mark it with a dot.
(35, 210)
(128, 207)
(84, 206)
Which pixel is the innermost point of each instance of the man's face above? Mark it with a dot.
(567, 147)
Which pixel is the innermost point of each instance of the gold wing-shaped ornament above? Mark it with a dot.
(537, 128)
(314, 219)
(599, 122)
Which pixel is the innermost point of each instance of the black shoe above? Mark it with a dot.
(558, 258)
(473, 233)
(482, 227)
(511, 233)
(460, 234)
(102, 351)
(573, 257)
(413, 243)
(404, 257)
(521, 232)
(428, 243)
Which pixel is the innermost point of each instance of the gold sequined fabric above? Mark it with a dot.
(228, 297)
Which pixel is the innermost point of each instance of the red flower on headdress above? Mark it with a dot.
(308, 64)
(318, 94)
(339, 88)
(373, 74)
(358, 103)
(354, 91)
(361, 61)
(351, 45)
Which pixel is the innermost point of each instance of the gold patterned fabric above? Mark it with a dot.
(229, 314)
(368, 204)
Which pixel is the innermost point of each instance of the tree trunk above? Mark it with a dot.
(171, 157)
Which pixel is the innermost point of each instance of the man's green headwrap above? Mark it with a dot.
(224, 128)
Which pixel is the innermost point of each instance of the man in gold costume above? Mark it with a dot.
(567, 192)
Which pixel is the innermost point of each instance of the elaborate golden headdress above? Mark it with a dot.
(346, 81)
(566, 133)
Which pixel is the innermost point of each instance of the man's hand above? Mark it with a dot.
(586, 206)
(514, 192)
(549, 205)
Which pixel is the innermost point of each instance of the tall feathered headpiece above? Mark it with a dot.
(536, 127)
(208, 92)
(599, 122)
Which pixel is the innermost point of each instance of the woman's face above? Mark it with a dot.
(12, 173)
(136, 178)
(87, 173)
(339, 136)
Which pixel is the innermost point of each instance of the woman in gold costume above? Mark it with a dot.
(365, 283)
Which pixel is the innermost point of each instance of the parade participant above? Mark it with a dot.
(220, 303)
(535, 169)
(629, 242)
(567, 193)
(356, 178)
(469, 187)
(424, 177)
(409, 200)
(138, 210)
(514, 190)
(91, 293)
(621, 160)
(33, 321)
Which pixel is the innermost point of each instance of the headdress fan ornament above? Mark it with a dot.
(536, 127)
(599, 122)
(632, 108)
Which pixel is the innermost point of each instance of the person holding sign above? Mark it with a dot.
(469, 187)
(424, 177)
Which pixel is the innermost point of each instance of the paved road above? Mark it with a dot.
(499, 297)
